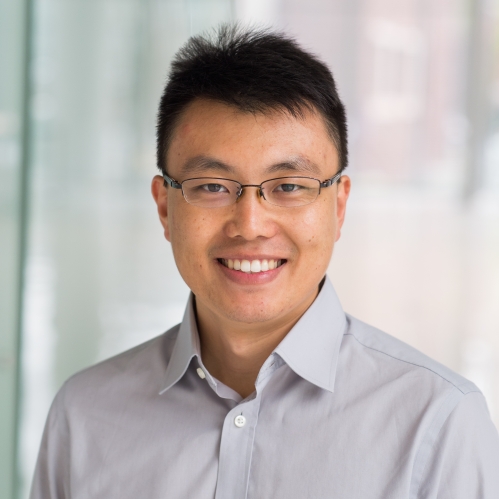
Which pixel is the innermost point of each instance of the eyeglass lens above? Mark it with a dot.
(216, 192)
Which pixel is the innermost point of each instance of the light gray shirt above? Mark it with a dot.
(341, 410)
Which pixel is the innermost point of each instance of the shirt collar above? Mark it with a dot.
(186, 347)
(310, 349)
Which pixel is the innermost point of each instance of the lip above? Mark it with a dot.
(244, 278)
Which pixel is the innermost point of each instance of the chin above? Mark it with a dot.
(250, 313)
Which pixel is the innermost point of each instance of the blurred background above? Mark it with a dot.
(85, 271)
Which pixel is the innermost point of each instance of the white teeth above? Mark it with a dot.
(256, 266)
(246, 266)
(253, 266)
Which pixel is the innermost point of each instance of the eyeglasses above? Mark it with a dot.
(287, 192)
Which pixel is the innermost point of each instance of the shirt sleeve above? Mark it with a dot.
(464, 462)
(51, 478)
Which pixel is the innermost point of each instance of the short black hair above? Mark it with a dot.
(255, 71)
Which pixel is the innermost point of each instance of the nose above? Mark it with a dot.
(250, 216)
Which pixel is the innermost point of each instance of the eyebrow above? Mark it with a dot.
(203, 164)
(298, 164)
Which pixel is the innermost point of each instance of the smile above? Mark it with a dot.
(253, 266)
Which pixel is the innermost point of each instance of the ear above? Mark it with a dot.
(341, 203)
(160, 194)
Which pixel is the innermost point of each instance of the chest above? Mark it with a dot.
(305, 443)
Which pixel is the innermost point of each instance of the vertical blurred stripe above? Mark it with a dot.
(479, 85)
(15, 35)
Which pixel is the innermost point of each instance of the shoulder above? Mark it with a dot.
(445, 414)
(382, 370)
(138, 370)
(396, 356)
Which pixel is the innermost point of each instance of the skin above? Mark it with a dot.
(241, 322)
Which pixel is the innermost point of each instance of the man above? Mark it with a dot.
(267, 389)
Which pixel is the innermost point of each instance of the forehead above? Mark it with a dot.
(249, 144)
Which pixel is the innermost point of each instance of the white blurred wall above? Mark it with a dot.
(419, 255)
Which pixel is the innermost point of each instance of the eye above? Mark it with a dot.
(215, 188)
(287, 188)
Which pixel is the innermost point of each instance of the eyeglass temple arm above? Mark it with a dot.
(331, 181)
(171, 182)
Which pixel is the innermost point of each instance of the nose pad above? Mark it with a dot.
(260, 193)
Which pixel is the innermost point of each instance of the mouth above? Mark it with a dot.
(251, 266)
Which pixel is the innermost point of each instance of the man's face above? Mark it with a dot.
(216, 140)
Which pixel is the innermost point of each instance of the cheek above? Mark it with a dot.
(314, 234)
(181, 233)
(191, 233)
(316, 227)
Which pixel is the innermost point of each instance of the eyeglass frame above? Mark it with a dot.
(178, 185)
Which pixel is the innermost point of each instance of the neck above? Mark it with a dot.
(234, 352)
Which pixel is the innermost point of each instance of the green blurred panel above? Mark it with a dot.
(12, 72)
(100, 277)
(98, 74)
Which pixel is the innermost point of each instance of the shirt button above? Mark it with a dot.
(240, 421)
(201, 373)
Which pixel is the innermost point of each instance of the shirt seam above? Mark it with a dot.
(458, 387)
(252, 446)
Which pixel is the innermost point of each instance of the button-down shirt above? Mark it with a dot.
(340, 410)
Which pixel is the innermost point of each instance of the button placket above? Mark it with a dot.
(238, 434)
(236, 448)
